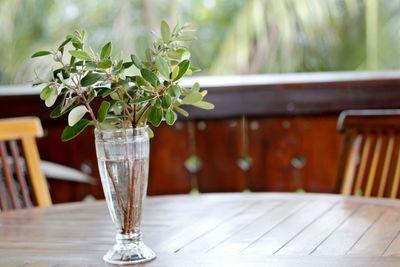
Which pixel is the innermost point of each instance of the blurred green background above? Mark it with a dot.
(235, 36)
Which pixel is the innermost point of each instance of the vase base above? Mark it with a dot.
(134, 253)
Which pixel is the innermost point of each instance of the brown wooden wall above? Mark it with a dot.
(286, 128)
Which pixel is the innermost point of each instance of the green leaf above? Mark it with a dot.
(183, 67)
(92, 94)
(46, 92)
(166, 102)
(61, 109)
(127, 64)
(105, 64)
(142, 99)
(165, 31)
(196, 87)
(90, 79)
(204, 105)
(76, 114)
(80, 54)
(181, 111)
(149, 76)
(136, 61)
(162, 67)
(192, 98)
(155, 115)
(51, 97)
(103, 91)
(41, 54)
(150, 132)
(66, 41)
(103, 110)
(175, 73)
(174, 91)
(140, 81)
(170, 117)
(105, 51)
(71, 132)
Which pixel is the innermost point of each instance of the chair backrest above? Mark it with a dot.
(370, 160)
(21, 175)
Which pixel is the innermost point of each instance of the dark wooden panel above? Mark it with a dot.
(218, 147)
(169, 150)
(291, 153)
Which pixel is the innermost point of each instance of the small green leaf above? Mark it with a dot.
(79, 54)
(165, 31)
(105, 64)
(66, 41)
(149, 76)
(90, 79)
(51, 98)
(140, 81)
(136, 61)
(150, 132)
(181, 111)
(192, 98)
(46, 92)
(92, 94)
(162, 67)
(166, 102)
(127, 64)
(103, 110)
(155, 115)
(174, 91)
(76, 114)
(204, 105)
(61, 109)
(105, 51)
(175, 73)
(41, 54)
(170, 117)
(71, 132)
(183, 67)
(196, 87)
(142, 99)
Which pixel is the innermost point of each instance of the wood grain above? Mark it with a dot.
(242, 229)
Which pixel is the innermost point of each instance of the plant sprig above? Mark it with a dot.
(152, 96)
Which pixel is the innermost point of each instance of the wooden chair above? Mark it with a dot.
(370, 160)
(15, 189)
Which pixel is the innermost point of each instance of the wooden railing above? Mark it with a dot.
(267, 133)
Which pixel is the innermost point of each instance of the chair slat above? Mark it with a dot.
(363, 164)
(396, 178)
(386, 165)
(378, 172)
(24, 130)
(3, 200)
(351, 165)
(39, 184)
(20, 174)
(374, 166)
(9, 179)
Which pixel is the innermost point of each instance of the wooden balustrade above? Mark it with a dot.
(267, 133)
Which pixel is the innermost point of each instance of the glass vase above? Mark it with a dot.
(123, 159)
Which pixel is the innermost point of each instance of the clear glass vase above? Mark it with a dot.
(123, 159)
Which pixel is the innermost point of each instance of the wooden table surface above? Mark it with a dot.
(249, 229)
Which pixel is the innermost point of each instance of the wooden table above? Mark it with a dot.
(252, 229)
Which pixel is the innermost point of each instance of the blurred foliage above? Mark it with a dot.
(235, 36)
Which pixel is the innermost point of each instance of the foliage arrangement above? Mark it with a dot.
(151, 95)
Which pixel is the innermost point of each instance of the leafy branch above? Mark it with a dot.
(153, 95)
